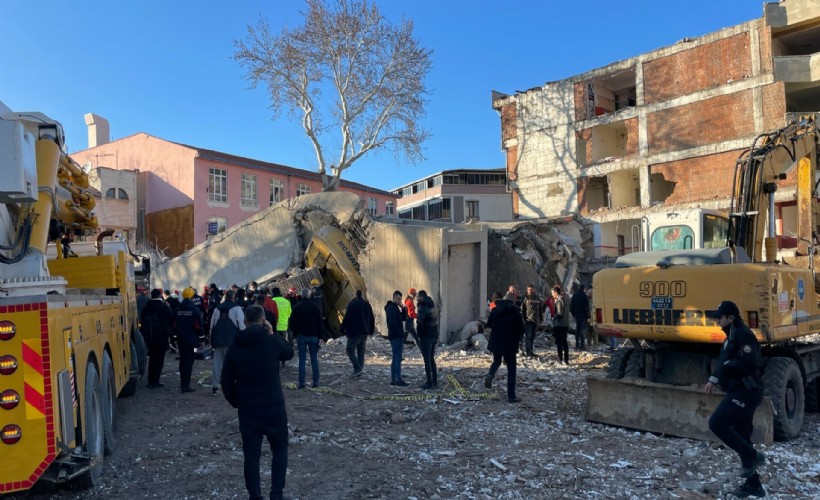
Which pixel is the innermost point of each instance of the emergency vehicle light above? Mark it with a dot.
(7, 329)
(11, 434)
(8, 364)
(9, 399)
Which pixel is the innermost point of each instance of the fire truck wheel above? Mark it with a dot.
(92, 428)
(783, 384)
(109, 403)
(142, 351)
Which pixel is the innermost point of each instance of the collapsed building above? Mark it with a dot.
(333, 237)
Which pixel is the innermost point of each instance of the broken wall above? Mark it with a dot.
(449, 261)
(261, 247)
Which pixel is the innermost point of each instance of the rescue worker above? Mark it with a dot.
(738, 373)
(188, 323)
(283, 310)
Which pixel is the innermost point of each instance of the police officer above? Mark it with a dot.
(738, 373)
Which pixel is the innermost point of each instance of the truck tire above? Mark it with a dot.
(109, 403)
(633, 365)
(142, 351)
(92, 428)
(617, 363)
(813, 396)
(783, 384)
(139, 360)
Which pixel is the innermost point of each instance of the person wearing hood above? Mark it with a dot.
(738, 373)
(395, 334)
(427, 328)
(507, 326)
(251, 384)
(188, 323)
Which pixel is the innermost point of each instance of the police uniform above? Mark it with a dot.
(738, 373)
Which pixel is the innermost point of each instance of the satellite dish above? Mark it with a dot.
(88, 167)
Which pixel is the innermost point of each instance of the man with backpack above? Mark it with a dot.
(227, 320)
(155, 326)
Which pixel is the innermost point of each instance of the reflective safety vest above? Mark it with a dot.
(283, 305)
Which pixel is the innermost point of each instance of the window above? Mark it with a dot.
(406, 214)
(388, 208)
(439, 210)
(472, 209)
(277, 189)
(621, 245)
(302, 189)
(218, 185)
(249, 191)
(114, 193)
(373, 206)
(677, 237)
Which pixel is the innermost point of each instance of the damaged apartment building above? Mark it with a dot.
(661, 131)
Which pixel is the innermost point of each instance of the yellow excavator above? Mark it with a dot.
(659, 300)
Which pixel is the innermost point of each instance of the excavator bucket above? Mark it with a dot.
(666, 409)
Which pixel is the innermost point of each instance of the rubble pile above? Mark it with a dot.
(362, 438)
(541, 252)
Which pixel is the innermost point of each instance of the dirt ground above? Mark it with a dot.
(362, 438)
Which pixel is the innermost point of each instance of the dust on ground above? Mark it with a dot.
(362, 438)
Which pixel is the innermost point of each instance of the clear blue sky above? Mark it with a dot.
(166, 68)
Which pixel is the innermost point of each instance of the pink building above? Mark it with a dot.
(187, 193)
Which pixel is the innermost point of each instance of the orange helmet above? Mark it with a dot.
(412, 291)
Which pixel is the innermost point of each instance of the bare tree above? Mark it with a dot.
(374, 70)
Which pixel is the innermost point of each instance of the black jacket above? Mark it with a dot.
(358, 318)
(188, 323)
(395, 321)
(250, 376)
(159, 309)
(507, 327)
(305, 319)
(579, 305)
(740, 361)
(427, 321)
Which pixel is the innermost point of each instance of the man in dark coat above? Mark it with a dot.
(357, 324)
(738, 373)
(155, 325)
(251, 383)
(507, 327)
(427, 328)
(395, 334)
(306, 324)
(579, 307)
(188, 323)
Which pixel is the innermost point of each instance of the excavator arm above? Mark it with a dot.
(757, 172)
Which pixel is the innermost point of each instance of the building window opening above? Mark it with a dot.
(249, 185)
(277, 189)
(302, 189)
(389, 209)
(372, 206)
(218, 185)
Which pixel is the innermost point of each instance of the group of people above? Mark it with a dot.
(247, 364)
(415, 316)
